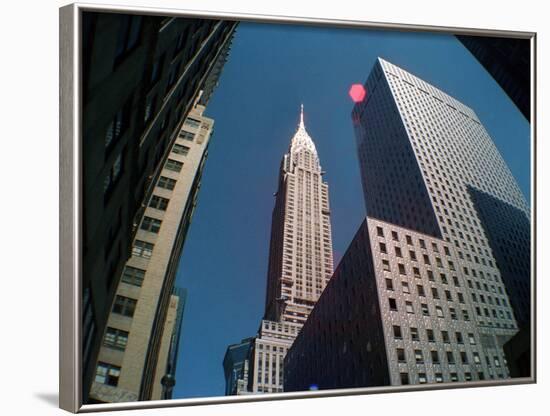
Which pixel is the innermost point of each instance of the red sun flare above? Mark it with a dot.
(357, 93)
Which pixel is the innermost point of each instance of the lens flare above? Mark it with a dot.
(357, 93)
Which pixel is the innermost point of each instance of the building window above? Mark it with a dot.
(383, 248)
(468, 376)
(409, 307)
(389, 284)
(435, 293)
(159, 202)
(173, 165)
(430, 335)
(401, 355)
(414, 334)
(166, 183)
(404, 377)
(425, 310)
(192, 122)
(426, 259)
(394, 236)
(398, 252)
(438, 377)
(107, 374)
(452, 312)
(477, 359)
(397, 332)
(151, 224)
(435, 357)
(463, 357)
(113, 175)
(393, 304)
(405, 287)
(450, 357)
(386, 265)
(439, 311)
(454, 377)
(180, 149)
(420, 290)
(402, 269)
(124, 306)
(422, 378)
(472, 339)
(418, 356)
(185, 135)
(459, 339)
(115, 338)
(133, 276)
(118, 125)
(445, 336)
(142, 249)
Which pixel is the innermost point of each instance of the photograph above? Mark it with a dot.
(272, 207)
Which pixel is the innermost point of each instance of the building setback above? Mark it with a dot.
(435, 252)
(300, 260)
(137, 349)
(141, 77)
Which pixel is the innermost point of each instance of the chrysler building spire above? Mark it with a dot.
(301, 139)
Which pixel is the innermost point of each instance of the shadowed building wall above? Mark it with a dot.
(141, 76)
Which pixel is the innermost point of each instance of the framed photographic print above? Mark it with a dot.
(259, 208)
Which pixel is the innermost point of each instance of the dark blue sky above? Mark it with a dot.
(271, 70)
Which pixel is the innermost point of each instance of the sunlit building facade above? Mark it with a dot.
(300, 260)
(437, 278)
(139, 347)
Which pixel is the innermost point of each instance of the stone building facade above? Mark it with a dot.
(135, 348)
(430, 172)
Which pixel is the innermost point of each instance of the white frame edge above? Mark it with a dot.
(70, 385)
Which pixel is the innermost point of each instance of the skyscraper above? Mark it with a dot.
(428, 164)
(437, 278)
(300, 253)
(141, 76)
(139, 346)
(300, 259)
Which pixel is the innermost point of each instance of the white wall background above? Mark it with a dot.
(29, 207)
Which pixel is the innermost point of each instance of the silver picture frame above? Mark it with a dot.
(70, 202)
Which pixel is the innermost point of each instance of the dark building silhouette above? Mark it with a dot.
(141, 76)
(508, 62)
(236, 366)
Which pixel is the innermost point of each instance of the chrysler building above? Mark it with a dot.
(300, 263)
